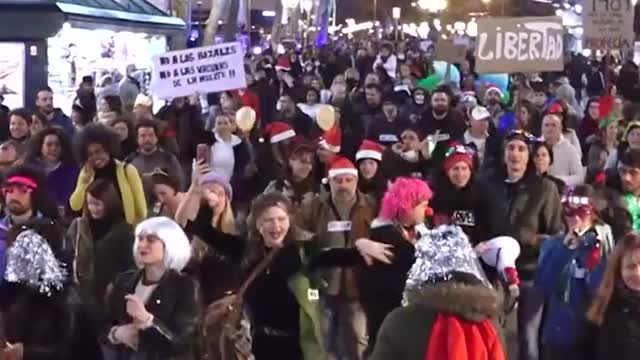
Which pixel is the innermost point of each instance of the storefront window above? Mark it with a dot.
(12, 74)
(103, 54)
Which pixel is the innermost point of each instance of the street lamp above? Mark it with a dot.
(307, 6)
(432, 5)
(395, 13)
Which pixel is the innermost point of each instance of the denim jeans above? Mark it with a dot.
(345, 328)
(530, 309)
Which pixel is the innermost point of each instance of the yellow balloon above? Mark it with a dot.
(245, 118)
(326, 117)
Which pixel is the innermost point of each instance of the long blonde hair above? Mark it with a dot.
(612, 275)
(226, 223)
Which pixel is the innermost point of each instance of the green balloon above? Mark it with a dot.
(430, 82)
(506, 98)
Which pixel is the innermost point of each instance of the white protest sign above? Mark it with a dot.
(521, 44)
(608, 24)
(199, 70)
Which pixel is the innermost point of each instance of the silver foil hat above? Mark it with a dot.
(441, 252)
(30, 261)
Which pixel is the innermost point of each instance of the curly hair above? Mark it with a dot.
(402, 196)
(35, 146)
(95, 134)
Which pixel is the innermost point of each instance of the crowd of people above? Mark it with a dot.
(452, 222)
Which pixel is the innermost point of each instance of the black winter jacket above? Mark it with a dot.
(175, 307)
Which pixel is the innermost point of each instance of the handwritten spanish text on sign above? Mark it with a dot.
(608, 24)
(198, 70)
(523, 44)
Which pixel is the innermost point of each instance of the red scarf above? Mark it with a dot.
(454, 339)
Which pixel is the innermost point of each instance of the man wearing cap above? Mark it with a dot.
(26, 197)
(478, 131)
(387, 132)
(338, 219)
(533, 207)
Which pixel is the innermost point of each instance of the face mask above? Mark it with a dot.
(401, 56)
(309, 69)
(279, 106)
(419, 99)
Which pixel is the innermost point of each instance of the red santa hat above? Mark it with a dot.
(455, 154)
(493, 87)
(369, 150)
(278, 131)
(283, 63)
(340, 165)
(331, 140)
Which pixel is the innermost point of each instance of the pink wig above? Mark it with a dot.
(402, 196)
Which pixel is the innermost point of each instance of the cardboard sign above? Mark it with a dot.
(199, 70)
(522, 44)
(450, 52)
(608, 24)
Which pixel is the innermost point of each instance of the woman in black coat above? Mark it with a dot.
(285, 313)
(42, 316)
(152, 313)
(615, 311)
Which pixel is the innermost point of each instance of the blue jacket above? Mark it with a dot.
(568, 287)
(63, 121)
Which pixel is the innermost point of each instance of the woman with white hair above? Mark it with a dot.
(153, 312)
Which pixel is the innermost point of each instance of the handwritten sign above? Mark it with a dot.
(450, 52)
(523, 44)
(608, 24)
(198, 70)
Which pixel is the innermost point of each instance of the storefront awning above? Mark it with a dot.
(17, 19)
(120, 15)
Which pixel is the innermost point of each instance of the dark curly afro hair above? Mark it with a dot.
(95, 134)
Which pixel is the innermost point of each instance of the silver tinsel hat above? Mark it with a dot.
(31, 261)
(440, 253)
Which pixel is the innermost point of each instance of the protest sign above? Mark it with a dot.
(523, 44)
(199, 70)
(608, 24)
(450, 52)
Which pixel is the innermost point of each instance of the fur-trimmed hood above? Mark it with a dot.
(471, 302)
